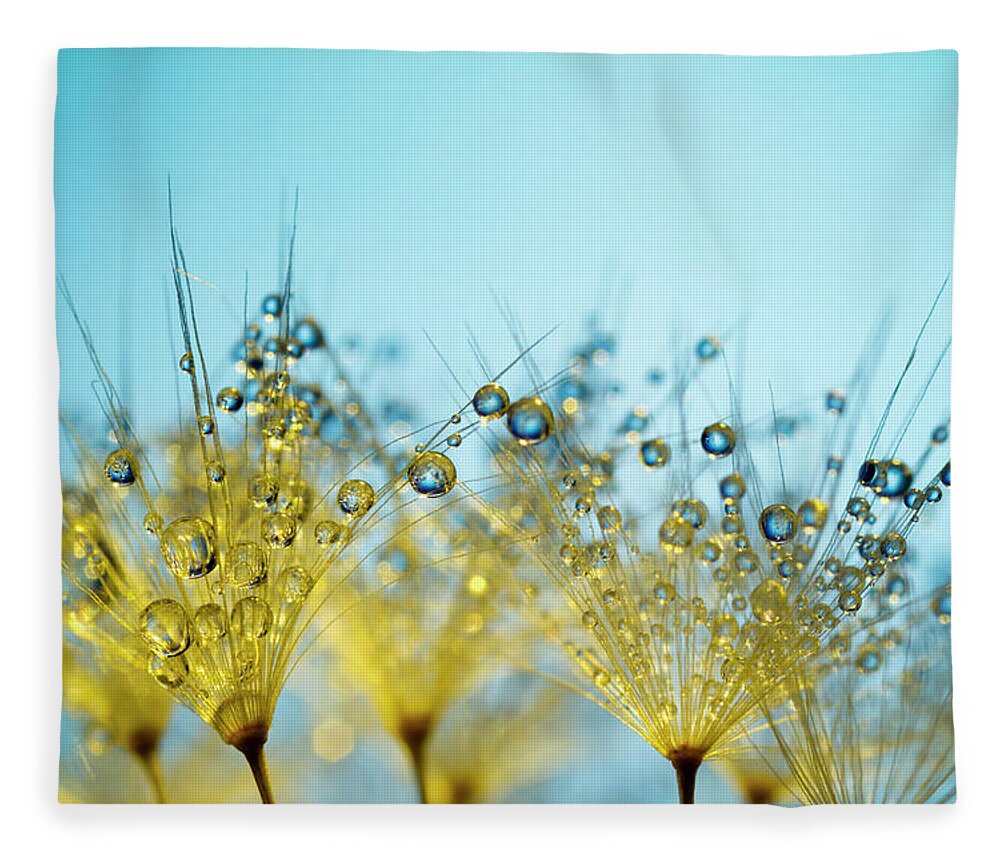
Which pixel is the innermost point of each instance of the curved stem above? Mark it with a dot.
(686, 762)
(150, 762)
(253, 751)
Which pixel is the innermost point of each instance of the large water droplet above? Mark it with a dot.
(169, 672)
(769, 601)
(164, 626)
(431, 474)
(210, 622)
(119, 468)
(279, 530)
(263, 491)
(654, 453)
(188, 547)
(229, 399)
(355, 498)
(718, 440)
(777, 524)
(251, 618)
(530, 420)
(247, 565)
(490, 401)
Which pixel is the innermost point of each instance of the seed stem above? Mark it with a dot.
(150, 762)
(686, 762)
(415, 732)
(253, 750)
(143, 744)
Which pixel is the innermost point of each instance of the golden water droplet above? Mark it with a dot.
(279, 530)
(210, 622)
(355, 498)
(490, 401)
(188, 547)
(769, 601)
(251, 618)
(246, 565)
(164, 626)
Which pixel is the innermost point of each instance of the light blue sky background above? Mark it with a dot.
(792, 199)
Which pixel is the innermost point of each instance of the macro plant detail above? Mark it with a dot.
(392, 537)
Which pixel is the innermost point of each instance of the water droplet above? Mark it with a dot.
(210, 622)
(869, 658)
(941, 606)
(675, 535)
(164, 626)
(246, 565)
(872, 475)
(355, 498)
(718, 440)
(251, 618)
(263, 491)
(709, 551)
(431, 475)
(279, 530)
(896, 586)
(120, 469)
(769, 601)
(187, 362)
(589, 619)
(707, 348)
(664, 592)
(247, 660)
(294, 349)
(169, 672)
(454, 440)
(206, 426)
(490, 401)
(733, 487)
(308, 333)
(786, 567)
(271, 306)
(229, 399)
(654, 453)
(812, 515)
(530, 420)
(898, 479)
(188, 547)
(328, 532)
(298, 584)
(152, 523)
(724, 629)
(893, 546)
(777, 524)
(835, 402)
(215, 471)
(850, 601)
(746, 561)
(692, 511)
(609, 518)
(858, 508)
